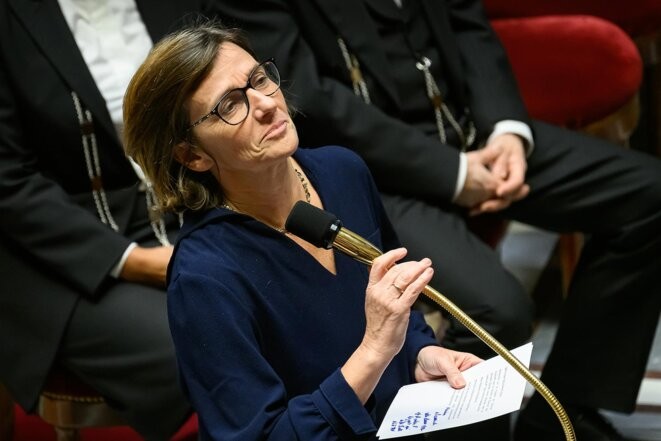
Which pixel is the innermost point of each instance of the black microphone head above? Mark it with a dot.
(312, 224)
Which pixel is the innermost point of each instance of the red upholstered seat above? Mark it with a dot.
(637, 17)
(577, 71)
(572, 70)
(641, 19)
(69, 409)
(32, 428)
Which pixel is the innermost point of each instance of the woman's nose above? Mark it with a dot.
(260, 103)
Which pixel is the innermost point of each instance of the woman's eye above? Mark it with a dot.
(228, 106)
(259, 80)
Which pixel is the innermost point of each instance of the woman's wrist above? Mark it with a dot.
(363, 370)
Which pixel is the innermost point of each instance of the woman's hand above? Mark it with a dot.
(391, 291)
(435, 362)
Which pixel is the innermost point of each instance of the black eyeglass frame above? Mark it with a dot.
(243, 91)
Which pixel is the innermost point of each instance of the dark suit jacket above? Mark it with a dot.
(302, 36)
(53, 247)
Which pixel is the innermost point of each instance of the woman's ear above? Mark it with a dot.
(192, 157)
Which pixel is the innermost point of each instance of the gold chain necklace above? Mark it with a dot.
(228, 205)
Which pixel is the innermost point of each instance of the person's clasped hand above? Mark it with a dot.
(509, 168)
(495, 176)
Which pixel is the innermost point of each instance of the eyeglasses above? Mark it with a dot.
(233, 107)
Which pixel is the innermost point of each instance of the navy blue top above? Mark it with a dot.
(261, 328)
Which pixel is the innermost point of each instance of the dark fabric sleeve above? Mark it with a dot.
(493, 93)
(418, 335)
(39, 218)
(402, 159)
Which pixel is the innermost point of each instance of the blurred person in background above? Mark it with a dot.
(83, 252)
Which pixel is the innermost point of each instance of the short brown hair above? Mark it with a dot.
(156, 117)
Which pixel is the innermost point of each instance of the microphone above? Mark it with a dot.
(324, 230)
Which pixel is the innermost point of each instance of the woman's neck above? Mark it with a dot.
(270, 197)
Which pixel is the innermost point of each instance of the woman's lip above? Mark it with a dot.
(275, 130)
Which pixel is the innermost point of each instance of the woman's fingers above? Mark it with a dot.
(411, 281)
(383, 263)
(400, 280)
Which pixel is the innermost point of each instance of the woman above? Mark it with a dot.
(275, 339)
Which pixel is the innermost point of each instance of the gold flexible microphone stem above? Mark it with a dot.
(360, 249)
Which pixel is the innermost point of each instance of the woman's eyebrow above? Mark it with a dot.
(229, 89)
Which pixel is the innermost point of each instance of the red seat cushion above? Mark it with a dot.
(31, 428)
(572, 70)
(637, 17)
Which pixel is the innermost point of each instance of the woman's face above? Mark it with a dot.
(267, 134)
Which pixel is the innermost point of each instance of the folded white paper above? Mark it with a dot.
(493, 388)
